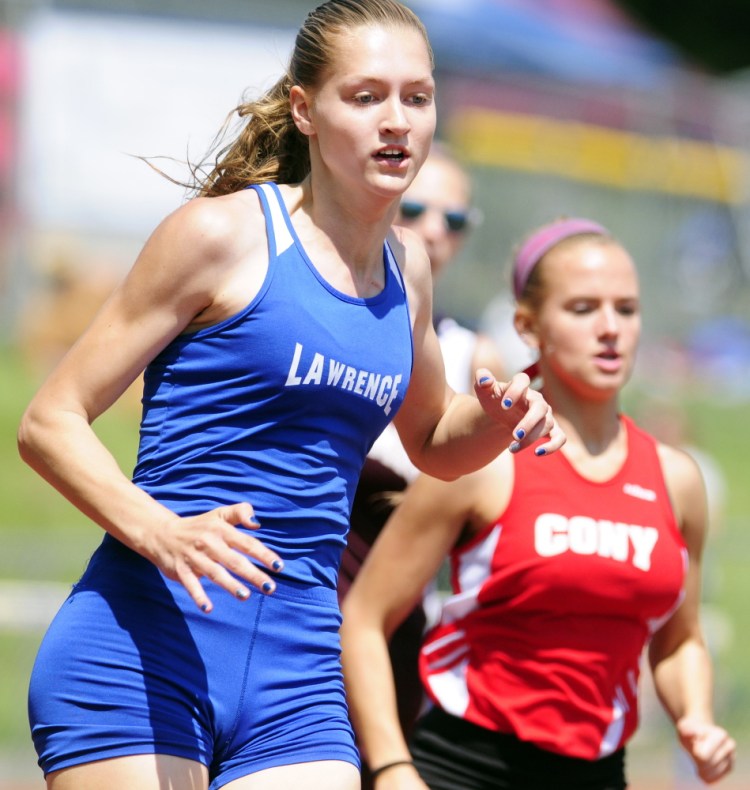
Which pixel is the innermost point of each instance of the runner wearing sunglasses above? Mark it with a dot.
(457, 220)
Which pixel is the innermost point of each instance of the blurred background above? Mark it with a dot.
(634, 113)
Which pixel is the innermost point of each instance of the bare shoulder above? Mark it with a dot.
(411, 256)
(215, 229)
(680, 469)
(200, 250)
(476, 498)
(686, 488)
(414, 264)
(493, 488)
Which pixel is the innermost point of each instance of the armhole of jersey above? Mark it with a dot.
(394, 268)
(637, 434)
(398, 277)
(279, 233)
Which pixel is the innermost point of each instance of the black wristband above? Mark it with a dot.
(377, 771)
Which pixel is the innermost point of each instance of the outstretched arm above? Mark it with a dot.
(678, 655)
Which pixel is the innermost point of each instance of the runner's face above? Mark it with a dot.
(589, 323)
(373, 117)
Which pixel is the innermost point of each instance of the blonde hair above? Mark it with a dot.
(269, 147)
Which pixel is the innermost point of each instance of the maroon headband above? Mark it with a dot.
(539, 243)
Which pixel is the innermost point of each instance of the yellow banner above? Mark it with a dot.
(601, 155)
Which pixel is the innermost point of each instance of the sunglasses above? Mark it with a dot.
(456, 221)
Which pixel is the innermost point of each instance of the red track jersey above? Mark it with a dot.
(553, 603)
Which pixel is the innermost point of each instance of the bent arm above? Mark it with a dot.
(152, 305)
(447, 434)
(405, 557)
(678, 655)
(173, 282)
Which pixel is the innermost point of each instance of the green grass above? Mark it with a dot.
(45, 539)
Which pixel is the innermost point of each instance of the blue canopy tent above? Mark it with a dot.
(580, 41)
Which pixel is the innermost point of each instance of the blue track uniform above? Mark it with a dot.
(278, 406)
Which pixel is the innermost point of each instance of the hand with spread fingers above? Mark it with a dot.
(211, 546)
(516, 400)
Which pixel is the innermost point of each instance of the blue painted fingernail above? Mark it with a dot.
(520, 433)
(515, 447)
(540, 451)
(484, 379)
(242, 594)
(204, 607)
(277, 565)
(507, 402)
(267, 587)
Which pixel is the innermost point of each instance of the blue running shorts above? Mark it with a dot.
(130, 665)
